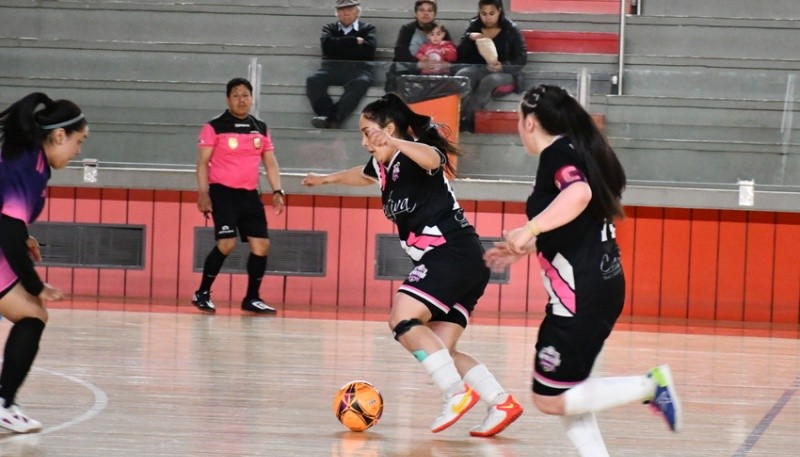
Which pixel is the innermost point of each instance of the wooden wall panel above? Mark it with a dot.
(786, 281)
(113, 210)
(524, 291)
(299, 217)
(190, 218)
(273, 287)
(354, 269)
(140, 211)
(489, 222)
(327, 218)
(166, 223)
(60, 208)
(759, 266)
(703, 264)
(647, 253)
(87, 210)
(675, 263)
(378, 293)
(730, 275)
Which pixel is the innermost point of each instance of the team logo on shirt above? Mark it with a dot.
(257, 142)
(549, 359)
(396, 172)
(417, 273)
(233, 142)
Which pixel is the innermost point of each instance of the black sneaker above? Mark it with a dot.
(257, 305)
(202, 300)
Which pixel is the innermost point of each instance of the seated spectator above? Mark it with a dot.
(437, 52)
(348, 50)
(409, 39)
(504, 72)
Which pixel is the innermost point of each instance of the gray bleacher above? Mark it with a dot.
(703, 101)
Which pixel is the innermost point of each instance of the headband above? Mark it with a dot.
(63, 124)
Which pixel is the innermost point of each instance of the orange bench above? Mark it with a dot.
(505, 122)
(569, 6)
(571, 42)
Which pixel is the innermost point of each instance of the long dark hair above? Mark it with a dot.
(497, 4)
(23, 128)
(560, 114)
(412, 126)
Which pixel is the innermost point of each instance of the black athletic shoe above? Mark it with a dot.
(257, 305)
(202, 300)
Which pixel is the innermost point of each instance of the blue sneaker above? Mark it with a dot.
(665, 400)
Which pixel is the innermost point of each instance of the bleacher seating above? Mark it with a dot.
(149, 72)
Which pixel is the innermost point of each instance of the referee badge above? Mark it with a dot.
(233, 142)
(257, 142)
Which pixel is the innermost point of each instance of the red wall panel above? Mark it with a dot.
(87, 210)
(299, 217)
(327, 218)
(489, 222)
(626, 238)
(647, 253)
(732, 259)
(113, 210)
(703, 255)
(60, 208)
(759, 266)
(675, 263)
(140, 211)
(352, 240)
(786, 281)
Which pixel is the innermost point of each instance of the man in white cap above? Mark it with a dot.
(348, 49)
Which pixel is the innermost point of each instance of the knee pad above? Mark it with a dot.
(404, 326)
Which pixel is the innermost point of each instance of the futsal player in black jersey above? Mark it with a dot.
(432, 307)
(575, 198)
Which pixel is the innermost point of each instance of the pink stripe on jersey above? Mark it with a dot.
(561, 291)
(424, 297)
(425, 241)
(554, 384)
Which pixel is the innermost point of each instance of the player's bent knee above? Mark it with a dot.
(549, 405)
(404, 326)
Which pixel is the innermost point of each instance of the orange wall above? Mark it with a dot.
(680, 263)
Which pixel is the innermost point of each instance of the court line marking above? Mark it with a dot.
(100, 403)
(765, 422)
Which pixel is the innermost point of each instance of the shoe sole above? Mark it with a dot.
(502, 426)
(203, 308)
(473, 402)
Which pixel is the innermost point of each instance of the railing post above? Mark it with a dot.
(621, 68)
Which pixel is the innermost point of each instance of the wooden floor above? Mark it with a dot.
(144, 380)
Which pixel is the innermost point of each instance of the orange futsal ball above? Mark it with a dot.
(358, 405)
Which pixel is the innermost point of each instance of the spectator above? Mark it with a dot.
(409, 39)
(437, 53)
(348, 49)
(503, 74)
(230, 147)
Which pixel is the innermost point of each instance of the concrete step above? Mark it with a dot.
(745, 9)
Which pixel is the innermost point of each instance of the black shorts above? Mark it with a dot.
(450, 279)
(237, 210)
(567, 347)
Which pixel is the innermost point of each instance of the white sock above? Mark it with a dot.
(585, 435)
(442, 369)
(484, 382)
(598, 394)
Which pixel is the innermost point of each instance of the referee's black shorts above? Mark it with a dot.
(237, 211)
(450, 278)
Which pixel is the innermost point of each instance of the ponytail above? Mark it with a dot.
(23, 128)
(412, 126)
(560, 114)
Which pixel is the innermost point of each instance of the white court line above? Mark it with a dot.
(100, 403)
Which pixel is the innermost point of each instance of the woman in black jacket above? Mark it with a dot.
(410, 37)
(505, 73)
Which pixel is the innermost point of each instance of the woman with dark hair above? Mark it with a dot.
(502, 73)
(432, 307)
(34, 140)
(410, 38)
(575, 199)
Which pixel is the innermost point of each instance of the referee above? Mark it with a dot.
(230, 147)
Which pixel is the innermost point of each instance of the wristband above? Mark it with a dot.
(279, 191)
(533, 227)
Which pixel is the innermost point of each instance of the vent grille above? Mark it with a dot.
(69, 244)
(391, 262)
(291, 252)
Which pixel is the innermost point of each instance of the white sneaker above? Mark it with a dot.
(454, 407)
(498, 418)
(14, 419)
